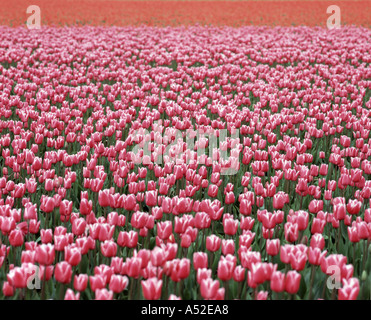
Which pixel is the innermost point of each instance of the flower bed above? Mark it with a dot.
(185, 162)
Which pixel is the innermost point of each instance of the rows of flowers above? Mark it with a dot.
(185, 163)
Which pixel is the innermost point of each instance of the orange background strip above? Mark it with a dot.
(172, 13)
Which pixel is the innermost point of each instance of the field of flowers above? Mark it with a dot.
(185, 162)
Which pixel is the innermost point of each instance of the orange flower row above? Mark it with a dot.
(172, 13)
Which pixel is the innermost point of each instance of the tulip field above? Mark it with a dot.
(185, 162)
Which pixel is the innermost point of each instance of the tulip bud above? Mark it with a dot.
(364, 275)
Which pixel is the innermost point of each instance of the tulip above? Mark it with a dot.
(7, 225)
(60, 230)
(186, 241)
(30, 212)
(262, 295)
(315, 206)
(85, 206)
(353, 234)
(202, 220)
(273, 247)
(318, 226)
(164, 229)
(157, 256)
(239, 274)
(103, 294)
(63, 272)
(277, 282)
(230, 198)
(362, 230)
(60, 242)
(298, 260)
(116, 264)
(317, 241)
(46, 235)
(230, 226)
(367, 216)
(109, 248)
(17, 277)
(347, 271)
(118, 283)
(246, 223)
(104, 198)
(47, 204)
(302, 219)
(209, 288)
(139, 219)
(315, 255)
(213, 243)
(171, 250)
(8, 290)
(127, 239)
(267, 219)
(354, 206)
(72, 255)
(220, 294)
(46, 272)
(200, 260)
(97, 282)
(45, 254)
(133, 266)
(292, 282)
(285, 253)
(213, 191)
(180, 269)
(279, 200)
(339, 210)
(246, 238)
(225, 269)
(151, 288)
(350, 289)
(80, 282)
(70, 295)
(258, 273)
(348, 220)
(151, 198)
(16, 238)
(323, 169)
(203, 273)
(65, 208)
(291, 232)
(79, 226)
(245, 207)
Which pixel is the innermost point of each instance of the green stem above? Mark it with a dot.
(131, 289)
(365, 255)
(61, 292)
(311, 282)
(339, 236)
(226, 287)
(333, 294)
(44, 285)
